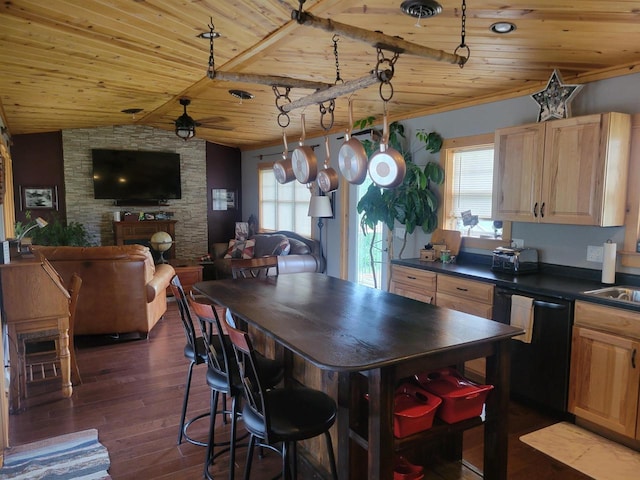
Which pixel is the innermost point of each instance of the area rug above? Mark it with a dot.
(74, 456)
(586, 452)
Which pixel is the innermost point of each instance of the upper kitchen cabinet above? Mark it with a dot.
(570, 171)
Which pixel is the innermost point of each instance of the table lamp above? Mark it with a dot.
(320, 208)
(38, 222)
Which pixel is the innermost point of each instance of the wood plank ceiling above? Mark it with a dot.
(78, 64)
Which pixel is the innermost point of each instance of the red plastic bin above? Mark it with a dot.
(461, 398)
(414, 410)
(405, 470)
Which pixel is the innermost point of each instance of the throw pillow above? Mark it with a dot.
(298, 247)
(267, 243)
(238, 249)
(282, 248)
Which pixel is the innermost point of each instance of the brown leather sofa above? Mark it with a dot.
(122, 290)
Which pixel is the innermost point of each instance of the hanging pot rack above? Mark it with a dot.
(377, 39)
(324, 91)
(271, 80)
(333, 91)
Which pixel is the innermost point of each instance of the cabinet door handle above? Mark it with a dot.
(633, 358)
(462, 289)
(542, 210)
(411, 278)
(535, 210)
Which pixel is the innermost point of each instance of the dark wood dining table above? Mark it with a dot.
(361, 332)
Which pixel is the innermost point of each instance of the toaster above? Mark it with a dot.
(515, 260)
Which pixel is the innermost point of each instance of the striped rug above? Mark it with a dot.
(72, 456)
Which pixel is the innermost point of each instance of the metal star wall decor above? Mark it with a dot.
(555, 99)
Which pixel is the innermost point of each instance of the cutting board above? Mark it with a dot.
(451, 238)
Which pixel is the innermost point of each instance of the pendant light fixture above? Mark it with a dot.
(185, 125)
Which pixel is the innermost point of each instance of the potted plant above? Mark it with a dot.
(58, 233)
(412, 204)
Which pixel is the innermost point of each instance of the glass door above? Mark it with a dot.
(365, 273)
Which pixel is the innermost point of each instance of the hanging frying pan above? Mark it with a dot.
(352, 157)
(387, 167)
(304, 161)
(328, 177)
(283, 169)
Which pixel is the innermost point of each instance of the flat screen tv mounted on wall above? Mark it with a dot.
(130, 175)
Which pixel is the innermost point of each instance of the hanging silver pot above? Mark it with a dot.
(387, 167)
(304, 161)
(328, 180)
(352, 157)
(283, 169)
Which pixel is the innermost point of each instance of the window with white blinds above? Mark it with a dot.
(283, 207)
(470, 186)
(473, 182)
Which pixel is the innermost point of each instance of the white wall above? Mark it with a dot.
(558, 244)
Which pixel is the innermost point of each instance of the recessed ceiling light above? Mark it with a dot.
(502, 27)
(209, 35)
(241, 94)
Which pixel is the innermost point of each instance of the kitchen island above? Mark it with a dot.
(375, 339)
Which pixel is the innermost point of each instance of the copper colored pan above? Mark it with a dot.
(352, 157)
(283, 169)
(328, 180)
(387, 167)
(304, 161)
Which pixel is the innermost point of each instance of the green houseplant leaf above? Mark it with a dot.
(412, 204)
(57, 233)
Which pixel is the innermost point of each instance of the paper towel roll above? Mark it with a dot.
(609, 263)
(116, 216)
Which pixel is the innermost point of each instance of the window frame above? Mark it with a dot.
(266, 167)
(449, 147)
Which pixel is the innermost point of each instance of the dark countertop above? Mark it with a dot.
(556, 281)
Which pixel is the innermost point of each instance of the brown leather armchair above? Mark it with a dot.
(122, 290)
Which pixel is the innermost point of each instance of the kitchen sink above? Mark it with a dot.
(623, 293)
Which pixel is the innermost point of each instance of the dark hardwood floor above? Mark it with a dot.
(132, 394)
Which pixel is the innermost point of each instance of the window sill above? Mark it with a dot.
(484, 243)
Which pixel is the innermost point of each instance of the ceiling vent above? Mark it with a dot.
(421, 8)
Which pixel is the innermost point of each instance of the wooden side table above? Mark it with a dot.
(189, 272)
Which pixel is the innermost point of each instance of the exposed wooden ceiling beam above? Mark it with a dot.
(377, 39)
(272, 80)
(335, 91)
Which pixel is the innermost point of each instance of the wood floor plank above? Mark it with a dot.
(132, 393)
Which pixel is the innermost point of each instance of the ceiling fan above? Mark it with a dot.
(186, 126)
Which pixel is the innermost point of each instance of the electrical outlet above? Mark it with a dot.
(595, 253)
(517, 243)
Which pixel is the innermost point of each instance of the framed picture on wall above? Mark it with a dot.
(219, 199)
(44, 198)
(231, 199)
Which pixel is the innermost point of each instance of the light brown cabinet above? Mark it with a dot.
(570, 171)
(464, 295)
(468, 296)
(605, 375)
(413, 283)
(448, 291)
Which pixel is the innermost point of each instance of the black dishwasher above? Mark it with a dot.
(540, 369)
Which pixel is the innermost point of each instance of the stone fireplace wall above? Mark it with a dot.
(97, 215)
